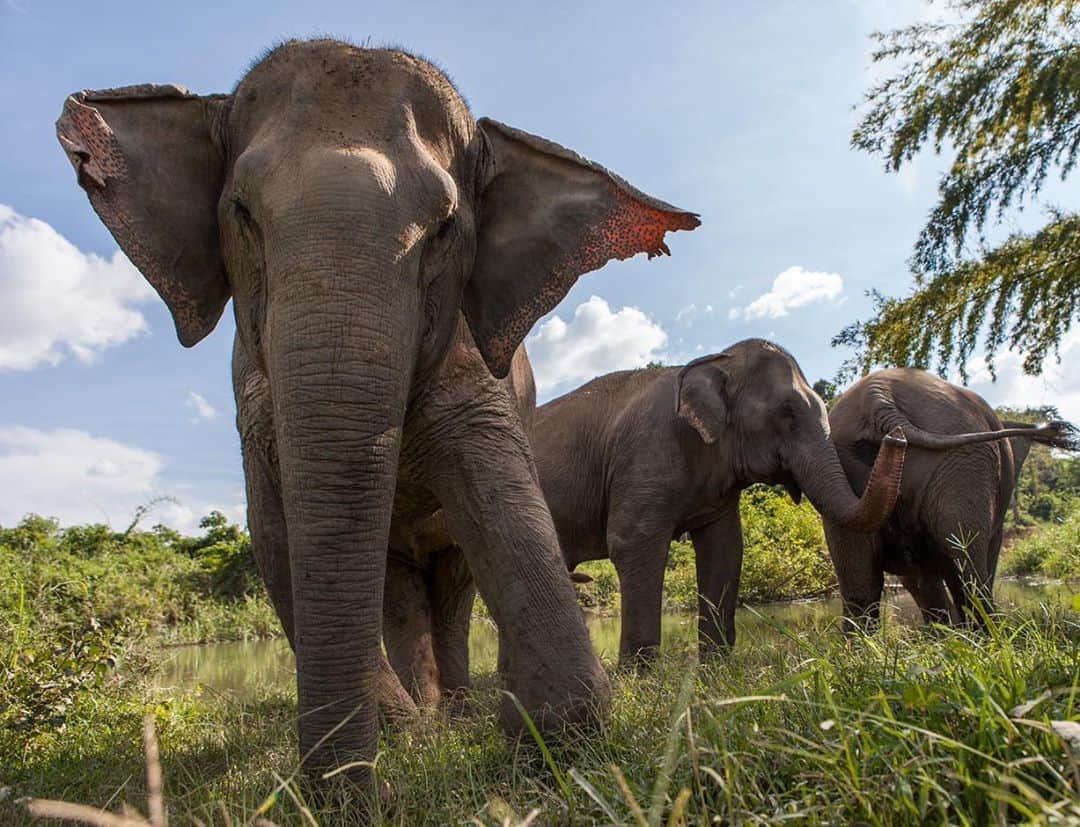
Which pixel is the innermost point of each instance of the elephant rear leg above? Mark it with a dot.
(407, 630)
(969, 576)
(639, 553)
(718, 553)
(452, 595)
(928, 590)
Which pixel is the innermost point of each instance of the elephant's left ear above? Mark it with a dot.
(547, 216)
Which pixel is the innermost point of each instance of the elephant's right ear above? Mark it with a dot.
(147, 159)
(701, 396)
(546, 216)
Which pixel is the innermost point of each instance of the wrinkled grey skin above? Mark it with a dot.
(959, 477)
(429, 596)
(386, 253)
(636, 458)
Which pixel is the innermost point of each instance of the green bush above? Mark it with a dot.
(76, 601)
(1053, 551)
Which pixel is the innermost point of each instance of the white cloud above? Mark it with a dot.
(59, 300)
(1059, 384)
(795, 287)
(689, 314)
(203, 409)
(594, 341)
(80, 478)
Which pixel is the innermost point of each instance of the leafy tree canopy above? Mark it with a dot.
(1000, 90)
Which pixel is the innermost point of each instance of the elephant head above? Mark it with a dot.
(351, 206)
(754, 401)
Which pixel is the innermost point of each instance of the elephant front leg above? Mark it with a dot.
(482, 473)
(269, 535)
(860, 574)
(270, 548)
(718, 554)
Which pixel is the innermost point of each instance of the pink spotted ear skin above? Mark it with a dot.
(90, 145)
(147, 160)
(630, 227)
(547, 217)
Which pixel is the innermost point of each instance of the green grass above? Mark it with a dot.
(800, 723)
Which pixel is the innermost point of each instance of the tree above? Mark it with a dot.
(1001, 90)
(1049, 485)
(826, 390)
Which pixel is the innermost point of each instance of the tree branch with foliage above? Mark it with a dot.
(1001, 89)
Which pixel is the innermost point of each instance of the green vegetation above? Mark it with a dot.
(1052, 552)
(76, 602)
(1000, 90)
(799, 723)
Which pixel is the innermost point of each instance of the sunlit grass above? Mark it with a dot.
(800, 723)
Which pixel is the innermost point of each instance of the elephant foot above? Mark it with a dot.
(583, 705)
(397, 709)
(641, 660)
(456, 704)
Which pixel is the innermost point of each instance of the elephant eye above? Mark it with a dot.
(445, 229)
(241, 210)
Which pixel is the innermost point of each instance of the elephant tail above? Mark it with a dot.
(1057, 434)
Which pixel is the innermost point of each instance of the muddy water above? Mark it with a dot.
(246, 667)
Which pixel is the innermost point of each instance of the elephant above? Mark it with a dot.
(386, 253)
(944, 535)
(429, 595)
(635, 458)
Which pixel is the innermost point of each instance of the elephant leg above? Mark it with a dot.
(968, 573)
(452, 594)
(718, 553)
(931, 596)
(639, 553)
(407, 630)
(480, 469)
(971, 586)
(860, 574)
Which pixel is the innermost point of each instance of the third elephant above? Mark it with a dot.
(945, 533)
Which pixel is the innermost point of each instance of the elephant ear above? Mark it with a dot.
(153, 172)
(701, 396)
(547, 216)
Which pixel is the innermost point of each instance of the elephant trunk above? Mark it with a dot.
(340, 349)
(821, 477)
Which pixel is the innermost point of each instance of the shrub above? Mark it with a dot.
(1053, 551)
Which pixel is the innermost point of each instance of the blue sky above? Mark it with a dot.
(741, 111)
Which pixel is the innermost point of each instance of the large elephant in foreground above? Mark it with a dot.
(944, 536)
(635, 458)
(348, 202)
